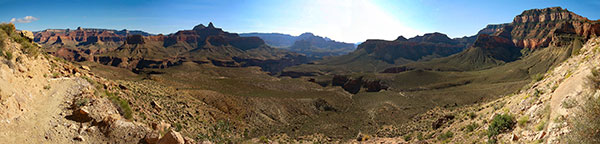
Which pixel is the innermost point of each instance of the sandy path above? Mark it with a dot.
(43, 118)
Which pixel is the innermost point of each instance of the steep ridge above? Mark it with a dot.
(530, 31)
(544, 111)
(306, 43)
(376, 55)
(535, 28)
(202, 44)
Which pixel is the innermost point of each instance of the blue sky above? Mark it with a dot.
(342, 20)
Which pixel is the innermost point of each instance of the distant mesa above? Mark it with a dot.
(139, 50)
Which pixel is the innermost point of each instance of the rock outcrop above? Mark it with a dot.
(535, 28)
(138, 50)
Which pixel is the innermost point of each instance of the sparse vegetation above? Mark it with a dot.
(499, 105)
(407, 137)
(122, 105)
(82, 101)
(221, 132)
(569, 103)
(554, 87)
(27, 47)
(540, 126)
(594, 79)
(420, 136)
(523, 120)
(472, 115)
(499, 124)
(445, 136)
(8, 55)
(569, 73)
(471, 127)
(585, 123)
(178, 127)
(537, 77)
(46, 87)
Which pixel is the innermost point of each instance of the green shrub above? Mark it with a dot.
(446, 135)
(8, 55)
(178, 127)
(420, 136)
(26, 46)
(8, 28)
(499, 124)
(472, 115)
(407, 137)
(82, 102)
(540, 126)
(523, 120)
(122, 105)
(471, 127)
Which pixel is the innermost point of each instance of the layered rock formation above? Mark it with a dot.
(138, 50)
(83, 36)
(529, 32)
(535, 28)
(416, 48)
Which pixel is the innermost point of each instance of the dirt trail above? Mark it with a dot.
(46, 116)
(570, 87)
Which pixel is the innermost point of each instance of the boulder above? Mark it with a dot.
(27, 34)
(80, 115)
(152, 137)
(85, 68)
(172, 137)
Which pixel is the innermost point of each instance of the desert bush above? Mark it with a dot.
(82, 101)
(420, 136)
(585, 124)
(26, 46)
(446, 135)
(8, 28)
(8, 55)
(122, 105)
(540, 126)
(472, 115)
(471, 127)
(499, 124)
(178, 127)
(407, 137)
(523, 120)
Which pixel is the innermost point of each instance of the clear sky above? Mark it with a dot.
(342, 20)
